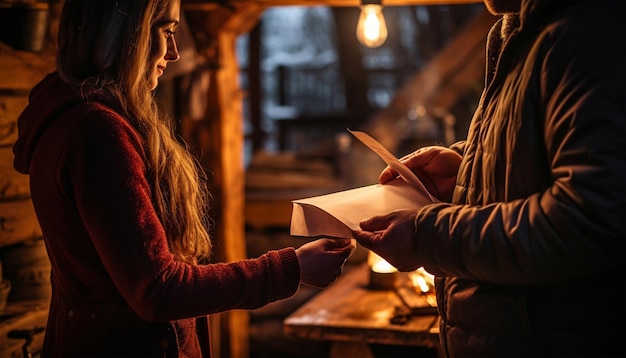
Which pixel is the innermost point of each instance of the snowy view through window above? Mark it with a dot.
(300, 58)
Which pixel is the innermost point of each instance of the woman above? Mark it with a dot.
(122, 205)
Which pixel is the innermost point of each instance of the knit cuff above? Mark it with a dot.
(291, 270)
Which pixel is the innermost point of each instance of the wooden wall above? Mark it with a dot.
(20, 71)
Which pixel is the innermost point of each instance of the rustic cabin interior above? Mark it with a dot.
(263, 94)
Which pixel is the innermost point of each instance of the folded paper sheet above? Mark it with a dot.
(389, 159)
(337, 214)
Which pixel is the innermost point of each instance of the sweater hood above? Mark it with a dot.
(46, 101)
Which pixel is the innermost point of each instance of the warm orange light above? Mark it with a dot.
(421, 283)
(383, 267)
(422, 280)
(378, 264)
(382, 274)
(371, 30)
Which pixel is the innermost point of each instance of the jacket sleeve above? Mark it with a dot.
(109, 185)
(576, 226)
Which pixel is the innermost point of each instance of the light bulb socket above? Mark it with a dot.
(371, 2)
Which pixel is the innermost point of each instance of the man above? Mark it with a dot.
(528, 244)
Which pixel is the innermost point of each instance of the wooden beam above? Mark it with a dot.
(338, 3)
(230, 98)
(356, 3)
(199, 5)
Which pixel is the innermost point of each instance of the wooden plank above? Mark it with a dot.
(24, 315)
(349, 311)
(232, 178)
(21, 70)
(232, 175)
(342, 349)
(12, 184)
(204, 4)
(18, 221)
(263, 214)
(10, 108)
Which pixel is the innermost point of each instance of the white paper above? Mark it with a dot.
(391, 160)
(338, 214)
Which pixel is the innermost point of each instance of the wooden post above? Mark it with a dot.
(232, 173)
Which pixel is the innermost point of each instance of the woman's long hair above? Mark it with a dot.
(104, 49)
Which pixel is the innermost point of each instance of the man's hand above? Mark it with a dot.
(436, 167)
(392, 237)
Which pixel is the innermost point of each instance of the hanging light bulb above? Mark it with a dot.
(371, 30)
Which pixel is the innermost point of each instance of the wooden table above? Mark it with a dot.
(352, 316)
(19, 322)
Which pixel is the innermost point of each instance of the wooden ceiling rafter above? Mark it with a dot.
(210, 4)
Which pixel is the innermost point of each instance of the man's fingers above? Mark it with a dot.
(367, 239)
(387, 175)
(375, 223)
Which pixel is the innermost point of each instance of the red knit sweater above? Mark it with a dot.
(117, 289)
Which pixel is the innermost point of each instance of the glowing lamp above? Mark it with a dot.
(382, 273)
(371, 30)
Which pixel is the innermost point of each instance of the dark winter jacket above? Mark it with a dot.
(532, 263)
(117, 290)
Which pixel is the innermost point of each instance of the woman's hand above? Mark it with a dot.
(392, 237)
(436, 167)
(321, 260)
